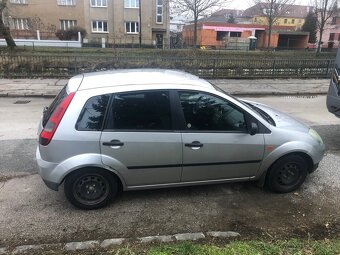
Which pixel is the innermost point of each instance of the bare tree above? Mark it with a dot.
(35, 23)
(4, 30)
(272, 10)
(324, 10)
(196, 9)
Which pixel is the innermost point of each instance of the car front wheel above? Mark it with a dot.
(90, 188)
(287, 174)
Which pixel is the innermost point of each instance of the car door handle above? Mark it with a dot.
(194, 144)
(113, 143)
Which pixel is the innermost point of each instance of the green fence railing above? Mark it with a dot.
(32, 66)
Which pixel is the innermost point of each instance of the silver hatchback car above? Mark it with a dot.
(145, 128)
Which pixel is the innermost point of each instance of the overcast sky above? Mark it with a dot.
(244, 4)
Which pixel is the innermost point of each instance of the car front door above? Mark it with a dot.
(216, 141)
(139, 141)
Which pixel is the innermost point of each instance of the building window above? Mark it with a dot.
(285, 21)
(221, 35)
(131, 27)
(67, 24)
(235, 34)
(98, 3)
(19, 23)
(293, 21)
(333, 21)
(131, 3)
(19, 1)
(300, 21)
(99, 26)
(159, 11)
(66, 2)
(266, 11)
(331, 36)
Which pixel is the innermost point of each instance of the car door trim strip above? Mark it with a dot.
(195, 164)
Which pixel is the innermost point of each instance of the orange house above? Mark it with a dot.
(222, 35)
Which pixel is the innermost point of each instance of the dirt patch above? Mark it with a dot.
(31, 213)
(5, 178)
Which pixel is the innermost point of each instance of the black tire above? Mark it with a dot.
(90, 188)
(287, 174)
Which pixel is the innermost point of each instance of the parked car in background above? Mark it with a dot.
(333, 96)
(145, 128)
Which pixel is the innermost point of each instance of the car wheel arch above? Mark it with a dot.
(302, 154)
(262, 178)
(119, 178)
(91, 187)
(287, 173)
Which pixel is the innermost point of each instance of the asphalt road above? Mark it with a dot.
(31, 213)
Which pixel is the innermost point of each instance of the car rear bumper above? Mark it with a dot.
(45, 171)
(51, 185)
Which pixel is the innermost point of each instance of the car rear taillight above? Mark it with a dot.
(53, 122)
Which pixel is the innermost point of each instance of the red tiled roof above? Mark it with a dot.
(291, 11)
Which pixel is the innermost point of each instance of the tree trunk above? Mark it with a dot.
(270, 23)
(318, 50)
(195, 33)
(269, 35)
(6, 33)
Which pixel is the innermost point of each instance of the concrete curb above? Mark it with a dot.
(110, 243)
(277, 94)
(28, 95)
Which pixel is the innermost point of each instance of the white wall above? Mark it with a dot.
(44, 43)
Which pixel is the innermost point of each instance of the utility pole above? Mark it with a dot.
(140, 23)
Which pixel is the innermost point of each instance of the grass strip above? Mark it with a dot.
(279, 247)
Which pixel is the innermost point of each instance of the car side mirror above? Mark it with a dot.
(254, 128)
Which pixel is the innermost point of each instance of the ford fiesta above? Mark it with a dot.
(138, 129)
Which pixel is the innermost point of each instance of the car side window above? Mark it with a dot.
(145, 110)
(92, 115)
(209, 113)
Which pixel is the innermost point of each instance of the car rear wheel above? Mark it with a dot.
(90, 188)
(287, 174)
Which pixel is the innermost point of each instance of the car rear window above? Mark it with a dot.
(93, 113)
(48, 111)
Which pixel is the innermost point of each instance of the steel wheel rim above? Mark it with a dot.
(289, 174)
(91, 189)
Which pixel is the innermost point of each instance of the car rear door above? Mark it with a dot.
(138, 139)
(216, 143)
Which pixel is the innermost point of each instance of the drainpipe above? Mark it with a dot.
(140, 23)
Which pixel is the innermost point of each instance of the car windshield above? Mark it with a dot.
(263, 114)
(238, 100)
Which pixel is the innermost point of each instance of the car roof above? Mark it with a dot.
(127, 77)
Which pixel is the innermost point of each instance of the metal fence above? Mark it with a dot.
(33, 66)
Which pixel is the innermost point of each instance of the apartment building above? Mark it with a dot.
(25, 17)
(115, 22)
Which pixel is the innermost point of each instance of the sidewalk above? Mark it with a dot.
(264, 87)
